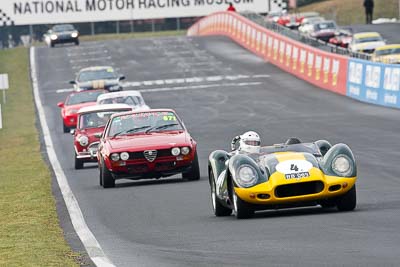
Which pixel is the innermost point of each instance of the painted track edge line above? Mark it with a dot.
(89, 241)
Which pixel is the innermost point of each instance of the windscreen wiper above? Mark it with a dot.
(132, 130)
(161, 127)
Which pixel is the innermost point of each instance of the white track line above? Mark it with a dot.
(88, 239)
(181, 81)
(195, 87)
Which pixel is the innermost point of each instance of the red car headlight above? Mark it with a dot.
(175, 151)
(124, 155)
(114, 156)
(185, 150)
(83, 140)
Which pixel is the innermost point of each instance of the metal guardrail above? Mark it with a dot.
(296, 35)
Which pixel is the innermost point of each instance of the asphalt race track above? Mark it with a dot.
(221, 90)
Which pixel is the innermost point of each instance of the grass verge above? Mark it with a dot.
(30, 233)
(347, 12)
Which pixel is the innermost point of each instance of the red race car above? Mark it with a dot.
(342, 38)
(73, 103)
(291, 21)
(146, 144)
(90, 126)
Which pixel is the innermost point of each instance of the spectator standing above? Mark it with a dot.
(369, 9)
(231, 8)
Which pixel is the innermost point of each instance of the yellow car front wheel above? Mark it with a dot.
(348, 201)
(241, 209)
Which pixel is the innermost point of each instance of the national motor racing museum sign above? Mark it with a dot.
(62, 11)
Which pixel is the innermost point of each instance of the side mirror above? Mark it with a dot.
(234, 143)
(98, 135)
(60, 104)
(122, 77)
(72, 131)
(72, 82)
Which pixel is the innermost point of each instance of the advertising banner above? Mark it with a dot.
(29, 12)
(374, 82)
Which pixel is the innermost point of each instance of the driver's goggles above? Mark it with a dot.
(252, 143)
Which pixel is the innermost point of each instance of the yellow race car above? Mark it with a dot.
(366, 42)
(290, 174)
(388, 54)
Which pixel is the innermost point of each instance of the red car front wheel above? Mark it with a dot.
(194, 173)
(105, 175)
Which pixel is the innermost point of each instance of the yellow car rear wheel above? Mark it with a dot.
(218, 209)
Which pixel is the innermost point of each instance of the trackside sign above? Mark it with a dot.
(25, 12)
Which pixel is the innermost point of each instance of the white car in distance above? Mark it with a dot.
(130, 97)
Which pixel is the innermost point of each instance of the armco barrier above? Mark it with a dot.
(323, 69)
(374, 82)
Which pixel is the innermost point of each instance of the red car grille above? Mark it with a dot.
(140, 155)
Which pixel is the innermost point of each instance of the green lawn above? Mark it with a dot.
(347, 12)
(30, 234)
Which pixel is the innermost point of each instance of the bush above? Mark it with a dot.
(307, 2)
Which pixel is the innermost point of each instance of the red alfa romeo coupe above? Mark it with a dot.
(73, 103)
(91, 123)
(146, 144)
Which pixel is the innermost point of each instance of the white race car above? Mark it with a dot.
(131, 98)
(307, 26)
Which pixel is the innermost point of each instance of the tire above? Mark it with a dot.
(52, 44)
(348, 201)
(194, 173)
(105, 175)
(219, 210)
(78, 163)
(77, 42)
(100, 176)
(240, 208)
(65, 129)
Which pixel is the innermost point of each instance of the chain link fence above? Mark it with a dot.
(298, 36)
(11, 36)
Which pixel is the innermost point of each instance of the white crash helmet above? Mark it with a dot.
(250, 142)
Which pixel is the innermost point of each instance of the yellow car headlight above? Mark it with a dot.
(341, 165)
(246, 176)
